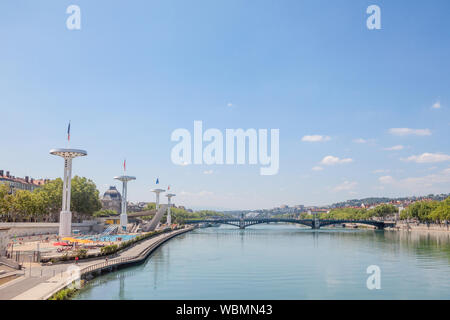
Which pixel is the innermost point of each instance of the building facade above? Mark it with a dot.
(112, 200)
(16, 183)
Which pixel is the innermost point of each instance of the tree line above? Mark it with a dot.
(428, 211)
(180, 215)
(44, 204)
(422, 211)
(381, 211)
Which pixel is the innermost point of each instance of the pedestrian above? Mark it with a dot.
(76, 260)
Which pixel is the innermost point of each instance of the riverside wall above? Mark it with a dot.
(23, 229)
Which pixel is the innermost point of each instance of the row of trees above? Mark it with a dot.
(428, 211)
(44, 204)
(423, 211)
(381, 211)
(179, 215)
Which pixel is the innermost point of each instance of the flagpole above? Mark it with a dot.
(68, 136)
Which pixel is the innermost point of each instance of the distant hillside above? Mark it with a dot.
(374, 201)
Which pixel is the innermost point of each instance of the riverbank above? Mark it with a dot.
(51, 279)
(270, 262)
(403, 226)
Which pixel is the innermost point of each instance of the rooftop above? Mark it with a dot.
(6, 176)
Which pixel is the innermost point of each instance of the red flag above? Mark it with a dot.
(125, 165)
(168, 188)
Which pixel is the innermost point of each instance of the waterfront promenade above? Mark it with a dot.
(43, 281)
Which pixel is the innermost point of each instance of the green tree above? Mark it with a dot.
(150, 206)
(442, 211)
(383, 210)
(421, 210)
(51, 195)
(105, 213)
(22, 204)
(346, 214)
(45, 202)
(85, 196)
(5, 201)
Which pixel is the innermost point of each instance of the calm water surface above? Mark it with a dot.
(285, 262)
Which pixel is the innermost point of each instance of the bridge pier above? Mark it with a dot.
(315, 224)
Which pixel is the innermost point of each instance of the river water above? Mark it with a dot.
(285, 262)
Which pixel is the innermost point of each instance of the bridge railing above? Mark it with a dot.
(110, 263)
(307, 222)
(121, 260)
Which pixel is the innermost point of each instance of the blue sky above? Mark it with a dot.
(138, 70)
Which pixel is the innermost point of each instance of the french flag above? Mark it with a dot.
(68, 132)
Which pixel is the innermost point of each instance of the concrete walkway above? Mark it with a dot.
(46, 280)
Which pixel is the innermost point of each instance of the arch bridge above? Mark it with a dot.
(242, 223)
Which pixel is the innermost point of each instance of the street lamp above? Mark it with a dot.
(65, 217)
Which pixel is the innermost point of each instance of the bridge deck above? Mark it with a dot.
(242, 223)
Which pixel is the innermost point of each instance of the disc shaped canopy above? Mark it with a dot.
(157, 190)
(170, 195)
(125, 178)
(68, 153)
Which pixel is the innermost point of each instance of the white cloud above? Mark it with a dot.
(229, 104)
(381, 171)
(408, 131)
(360, 140)
(423, 184)
(316, 138)
(207, 172)
(345, 186)
(437, 105)
(331, 160)
(395, 148)
(317, 168)
(386, 179)
(428, 158)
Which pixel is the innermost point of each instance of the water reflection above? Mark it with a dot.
(285, 262)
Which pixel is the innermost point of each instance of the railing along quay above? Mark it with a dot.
(126, 260)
